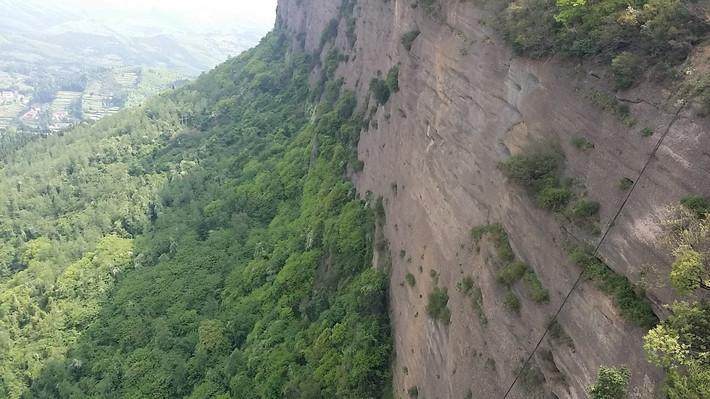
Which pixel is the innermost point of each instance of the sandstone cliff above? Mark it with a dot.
(466, 103)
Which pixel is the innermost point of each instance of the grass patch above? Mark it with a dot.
(625, 183)
(647, 132)
(437, 305)
(466, 285)
(582, 144)
(559, 335)
(698, 205)
(537, 292)
(470, 288)
(609, 102)
(629, 299)
(512, 303)
(499, 237)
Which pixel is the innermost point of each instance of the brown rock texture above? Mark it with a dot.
(465, 104)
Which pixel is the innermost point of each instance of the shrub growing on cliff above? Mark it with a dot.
(537, 292)
(626, 68)
(681, 346)
(409, 277)
(538, 169)
(612, 383)
(688, 272)
(630, 300)
(409, 38)
(582, 144)
(512, 302)
(379, 90)
(392, 80)
(511, 273)
(437, 305)
(698, 205)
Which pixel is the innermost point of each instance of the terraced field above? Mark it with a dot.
(62, 103)
(8, 115)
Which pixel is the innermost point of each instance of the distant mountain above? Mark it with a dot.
(34, 31)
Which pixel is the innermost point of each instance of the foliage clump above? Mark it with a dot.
(512, 303)
(698, 205)
(409, 278)
(681, 346)
(437, 305)
(380, 91)
(392, 79)
(539, 170)
(629, 299)
(408, 39)
(626, 35)
(612, 383)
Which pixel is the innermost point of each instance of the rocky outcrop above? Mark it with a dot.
(465, 104)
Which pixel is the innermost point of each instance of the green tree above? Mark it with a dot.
(612, 383)
(681, 346)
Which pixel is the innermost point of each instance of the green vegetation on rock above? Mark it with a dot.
(612, 383)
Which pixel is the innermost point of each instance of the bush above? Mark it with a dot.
(647, 132)
(409, 277)
(379, 90)
(630, 301)
(688, 272)
(626, 68)
(437, 305)
(537, 292)
(512, 303)
(612, 383)
(511, 273)
(413, 392)
(536, 168)
(554, 198)
(499, 237)
(698, 205)
(466, 285)
(583, 209)
(409, 38)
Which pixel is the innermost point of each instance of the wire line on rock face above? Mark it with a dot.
(596, 250)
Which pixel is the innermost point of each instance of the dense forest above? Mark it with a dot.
(206, 244)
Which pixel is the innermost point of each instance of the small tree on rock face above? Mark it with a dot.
(626, 69)
(681, 346)
(612, 383)
(689, 272)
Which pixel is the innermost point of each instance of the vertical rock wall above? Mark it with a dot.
(465, 104)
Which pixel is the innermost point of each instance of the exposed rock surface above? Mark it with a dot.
(465, 104)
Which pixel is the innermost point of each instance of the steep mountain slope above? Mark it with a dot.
(203, 245)
(466, 103)
(534, 217)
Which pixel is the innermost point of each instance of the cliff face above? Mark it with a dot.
(466, 103)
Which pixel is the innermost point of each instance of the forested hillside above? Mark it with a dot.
(204, 245)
